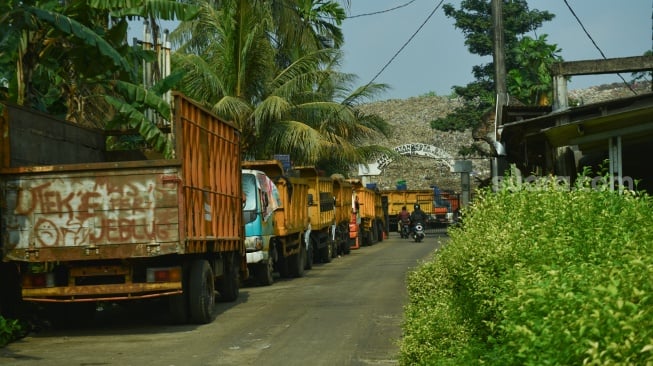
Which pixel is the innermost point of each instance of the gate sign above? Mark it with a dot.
(419, 150)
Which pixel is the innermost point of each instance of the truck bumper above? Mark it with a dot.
(102, 292)
(256, 257)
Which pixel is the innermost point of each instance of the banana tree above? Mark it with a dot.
(63, 57)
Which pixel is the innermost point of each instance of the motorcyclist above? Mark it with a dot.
(417, 216)
(403, 217)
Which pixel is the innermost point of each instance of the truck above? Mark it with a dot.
(442, 209)
(343, 199)
(276, 220)
(82, 225)
(370, 214)
(321, 215)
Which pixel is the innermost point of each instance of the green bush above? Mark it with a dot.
(538, 275)
(10, 330)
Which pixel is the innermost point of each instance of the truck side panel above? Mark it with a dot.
(342, 192)
(91, 215)
(321, 210)
(212, 191)
(292, 218)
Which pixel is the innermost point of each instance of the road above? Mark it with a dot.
(347, 312)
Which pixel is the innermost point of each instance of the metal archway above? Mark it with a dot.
(417, 149)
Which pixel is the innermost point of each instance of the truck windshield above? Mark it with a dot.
(249, 199)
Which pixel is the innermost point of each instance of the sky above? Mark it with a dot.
(436, 58)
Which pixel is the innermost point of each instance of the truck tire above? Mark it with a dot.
(326, 253)
(264, 272)
(283, 266)
(229, 284)
(379, 230)
(201, 292)
(346, 245)
(296, 263)
(309, 255)
(374, 238)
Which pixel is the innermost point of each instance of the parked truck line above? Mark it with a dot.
(276, 221)
(370, 214)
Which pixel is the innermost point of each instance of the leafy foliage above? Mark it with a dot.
(278, 84)
(538, 275)
(532, 83)
(64, 58)
(10, 330)
(526, 59)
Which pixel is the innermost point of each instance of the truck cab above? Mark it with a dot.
(260, 200)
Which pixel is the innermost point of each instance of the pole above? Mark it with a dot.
(498, 161)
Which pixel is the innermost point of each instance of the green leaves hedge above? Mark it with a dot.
(538, 275)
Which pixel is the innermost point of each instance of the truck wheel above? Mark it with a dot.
(380, 231)
(201, 294)
(346, 245)
(296, 263)
(326, 253)
(373, 233)
(229, 285)
(264, 273)
(309, 256)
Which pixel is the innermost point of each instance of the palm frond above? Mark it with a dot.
(271, 109)
(233, 109)
(160, 9)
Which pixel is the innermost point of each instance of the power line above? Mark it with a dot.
(381, 11)
(595, 45)
(405, 43)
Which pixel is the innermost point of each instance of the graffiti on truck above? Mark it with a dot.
(75, 212)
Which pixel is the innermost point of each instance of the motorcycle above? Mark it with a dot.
(418, 232)
(404, 232)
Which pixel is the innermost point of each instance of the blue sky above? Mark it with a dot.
(436, 58)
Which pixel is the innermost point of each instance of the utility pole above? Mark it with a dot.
(499, 161)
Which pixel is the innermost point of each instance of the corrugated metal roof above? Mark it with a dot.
(589, 126)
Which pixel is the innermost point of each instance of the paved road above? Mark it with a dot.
(347, 312)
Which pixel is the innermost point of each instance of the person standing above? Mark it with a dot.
(403, 219)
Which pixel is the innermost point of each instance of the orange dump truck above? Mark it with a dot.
(343, 194)
(321, 214)
(276, 220)
(370, 214)
(441, 211)
(82, 225)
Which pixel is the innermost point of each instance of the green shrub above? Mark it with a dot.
(538, 275)
(10, 330)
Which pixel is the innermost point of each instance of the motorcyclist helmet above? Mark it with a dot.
(416, 206)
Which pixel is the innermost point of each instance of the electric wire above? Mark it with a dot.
(381, 11)
(410, 39)
(595, 45)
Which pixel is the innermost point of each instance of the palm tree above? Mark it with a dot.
(230, 63)
(305, 25)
